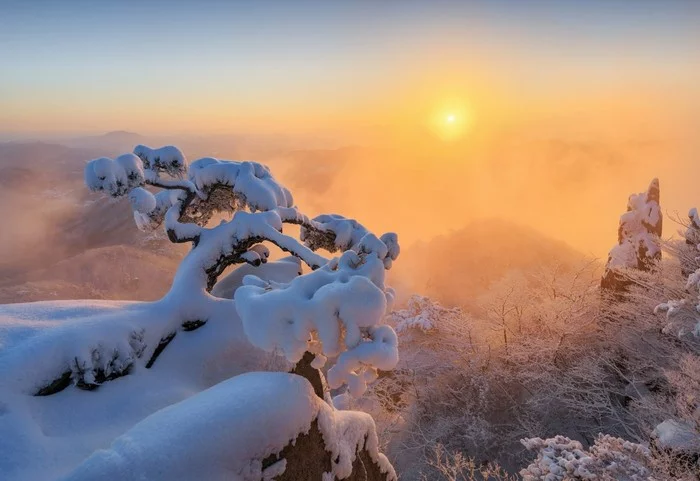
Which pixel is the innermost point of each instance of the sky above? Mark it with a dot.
(544, 113)
(347, 66)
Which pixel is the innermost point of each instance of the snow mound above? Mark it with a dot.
(232, 430)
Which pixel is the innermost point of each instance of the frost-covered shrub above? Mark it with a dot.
(609, 459)
(683, 315)
(638, 239)
(424, 314)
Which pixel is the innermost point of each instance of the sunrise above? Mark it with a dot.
(306, 240)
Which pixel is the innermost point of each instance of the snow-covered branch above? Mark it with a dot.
(336, 310)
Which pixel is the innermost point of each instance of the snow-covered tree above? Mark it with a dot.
(687, 252)
(692, 232)
(334, 311)
(638, 239)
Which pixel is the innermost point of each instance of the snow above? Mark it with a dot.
(682, 314)
(151, 366)
(335, 310)
(48, 435)
(142, 201)
(281, 271)
(346, 432)
(229, 429)
(422, 314)
(348, 232)
(164, 159)
(251, 182)
(692, 233)
(639, 233)
(115, 177)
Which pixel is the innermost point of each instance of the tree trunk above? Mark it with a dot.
(304, 369)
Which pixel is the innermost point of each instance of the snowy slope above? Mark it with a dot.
(44, 436)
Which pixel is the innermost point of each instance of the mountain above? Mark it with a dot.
(456, 268)
(111, 143)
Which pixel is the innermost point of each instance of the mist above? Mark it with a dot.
(540, 190)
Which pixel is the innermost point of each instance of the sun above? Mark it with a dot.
(451, 119)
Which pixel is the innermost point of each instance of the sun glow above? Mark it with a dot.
(451, 120)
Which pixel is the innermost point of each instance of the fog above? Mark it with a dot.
(491, 200)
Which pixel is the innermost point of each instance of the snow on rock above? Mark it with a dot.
(333, 311)
(639, 236)
(237, 431)
(560, 458)
(229, 429)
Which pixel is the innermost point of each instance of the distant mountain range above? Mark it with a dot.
(111, 143)
(456, 268)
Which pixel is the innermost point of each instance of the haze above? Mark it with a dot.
(560, 109)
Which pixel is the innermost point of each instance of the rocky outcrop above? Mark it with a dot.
(306, 459)
(638, 240)
(256, 426)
